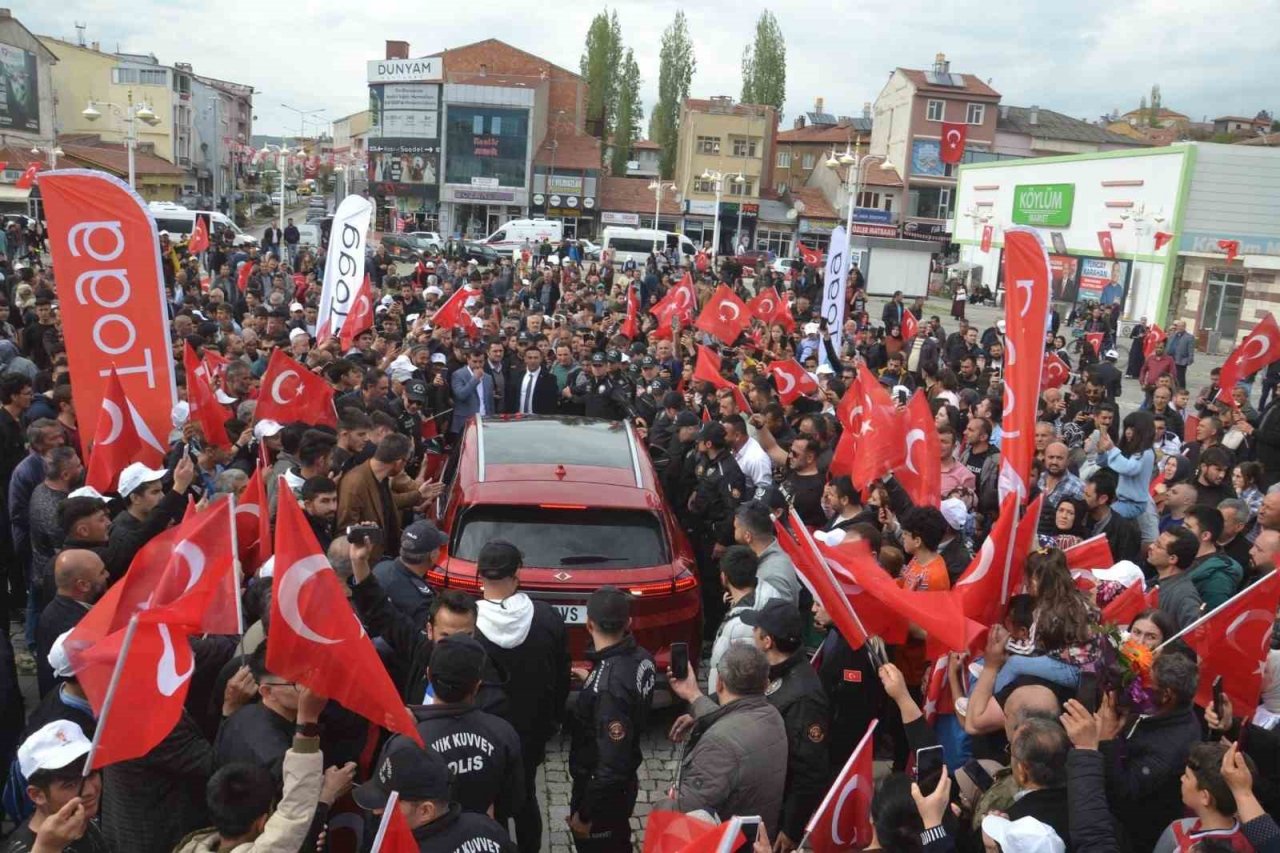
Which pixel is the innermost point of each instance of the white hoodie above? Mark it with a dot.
(506, 623)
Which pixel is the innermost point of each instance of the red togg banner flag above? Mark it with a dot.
(954, 134)
(1026, 310)
(110, 294)
(121, 437)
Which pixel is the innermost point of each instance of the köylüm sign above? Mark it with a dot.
(1044, 205)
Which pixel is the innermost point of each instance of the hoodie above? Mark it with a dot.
(1217, 577)
(506, 623)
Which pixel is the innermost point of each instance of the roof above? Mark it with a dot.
(821, 134)
(645, 145)
(499, 42)
(1161, 113)
(1054, 125)
(1270, 140)
(19, 157)
(514, 81)
(632, 195)
(115, 158)
(872, 174)
(571, 152)
(39, 40)
(816, 205)
(972, 85)
(706, 105)
(1254, 120)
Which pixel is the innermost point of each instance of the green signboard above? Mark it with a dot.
(1045, 205)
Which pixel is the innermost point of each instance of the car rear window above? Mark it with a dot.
(535, 442)
(559, 537)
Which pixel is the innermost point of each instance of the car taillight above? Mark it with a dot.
(682, 582)
(562, 506)
(447, 581)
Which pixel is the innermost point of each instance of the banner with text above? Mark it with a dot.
(344, 265)
(110, 294)
(834, 283)
(1026, 277)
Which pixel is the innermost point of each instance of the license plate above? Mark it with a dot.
(572, 614)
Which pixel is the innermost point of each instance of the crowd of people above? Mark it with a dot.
(1033, 760)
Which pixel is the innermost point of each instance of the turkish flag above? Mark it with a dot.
(843, 820)
(631, 326)
(215, 364)
(290, 393)
(953, 138)
(1026, 276)
(394, 834)
(1095, 340)
(987, 584)
(706, 367)
(1161, 238)
(1126, 606)
(1258, 349)
(680, 301)
(316, 639)
(199, 241)
(767, 307)
(814, 573)
(811, 257)
(921, 471)
(253, 524)
(910, 325)
(879, 446)
(724, 316)
(987, 233)
(242, 275)
(28, 177)
(1094, 553)
(673, 832)
(1231, 247)
(1055, 373)
(792, 380)
(1107, 244)
(205, 408)
(1192, 428)
(1153, 337)
(360, 318)
(937, 694)
(120, 437)
(452, 313)
(1233, 641)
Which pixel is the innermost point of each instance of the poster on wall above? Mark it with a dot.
(404, 166)
(1102, 280)
(1062, 277)
(20, 106)
(926, 158)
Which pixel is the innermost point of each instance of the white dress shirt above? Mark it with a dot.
(755, 463)
(526, 392)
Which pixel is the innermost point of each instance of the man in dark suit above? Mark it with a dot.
(533, 390)
(472, 391)
(80, 577)
(893, 311)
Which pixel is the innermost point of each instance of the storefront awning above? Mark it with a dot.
(8, 192)
(774, 211)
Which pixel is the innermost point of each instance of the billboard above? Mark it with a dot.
(926, 158)
(426, 69)
(405, 110)
(398, 160)
(487, 142)
(1102, 280)
(1043, 205)
(20, 106)
(1062, 277)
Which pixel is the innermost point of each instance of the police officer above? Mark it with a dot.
(663, 424)
(412, 415)
(796, 691)
(439, 824)
(481, 750)
(649, 391)
(599, 393)
(678, 479)
(604, 753)
(720, 486)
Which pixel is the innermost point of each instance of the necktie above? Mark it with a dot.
(526, 393)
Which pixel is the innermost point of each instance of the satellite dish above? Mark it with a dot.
(792, 214)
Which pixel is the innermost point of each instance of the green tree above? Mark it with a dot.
(764, 64)
(629, 115)
(676, 64)
(598, 67)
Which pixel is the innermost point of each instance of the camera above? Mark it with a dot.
(359, 534)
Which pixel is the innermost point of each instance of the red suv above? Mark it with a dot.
(580, 499)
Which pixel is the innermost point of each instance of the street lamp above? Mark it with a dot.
(131, 114)
(718, 178)
(53, 152)
(658, 186)
(282, 152)
(853, 181)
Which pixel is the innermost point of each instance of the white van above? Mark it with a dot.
(636, 244)
(180, 222)
(514, 233)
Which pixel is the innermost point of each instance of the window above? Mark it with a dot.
(778, 242)
(486, 142)
(602, 538)
(808, 161)
(704, 186)
(935, 110)
(744, 147)
(781, 187)
(868, 199)
(139, 76)
(740, 187)
(930, 203)
(784, 159)
(708, 145)
(974, 113)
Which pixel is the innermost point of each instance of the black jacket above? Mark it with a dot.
(546, 393)
(460, 830)
(408, 592)
(608, 397)
(1090, 822)
(605, 729)
(720, 487)
(1143, 769)
(59, 615)
(1124, 536)
(796, 691)
(482, 751)
(855, 695)
(128, 535)
(1047, 805)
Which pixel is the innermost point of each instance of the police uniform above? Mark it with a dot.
(482, 752)
(410, 423)
(602, 396)
(604, 753)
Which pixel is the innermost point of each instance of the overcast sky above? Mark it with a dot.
(1083, 57)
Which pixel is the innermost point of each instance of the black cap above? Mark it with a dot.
(498, 560)
(686, 418)
(615, 356)
(771, 496)
(639, 347)
(416, 390)
(420, 539)
(598, 358)
(659, 386)
(456, 661)
(712, 431)
(417, 774)
(523, 338)
(672, 400)
(779, 619)
(609, 605)
(648, 361)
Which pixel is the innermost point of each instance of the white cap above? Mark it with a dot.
(180, 414)
(554, 260)
(412, 318)
(1111, 354)
(1000, 325)
(524, 281)
(811, 328)
(294, 334)
(135, 475)
(86, 492)
(52, 747)
(825, 369)
(473, 261)
(1024, 835)
(266, 428)
(164, 233)
(432, 290)
(58, 661)
(268, 568)
(295, 306)
(955, 512)
(439, 358)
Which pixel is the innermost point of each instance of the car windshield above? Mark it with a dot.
(555, 537)
(544, 442)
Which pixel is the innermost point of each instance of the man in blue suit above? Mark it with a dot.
(472, 391)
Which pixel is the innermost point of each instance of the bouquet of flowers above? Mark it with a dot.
(1129, 669)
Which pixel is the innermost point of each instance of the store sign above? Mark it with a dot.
(1045, 205)
(565, 184)
(872, 214)
(486, 183)
(697, 207)
(403, 96)
(933, 231)
(818, 226)
(424, 70)
(483, 195)
(731, 208)
(632, 219)
(863, 230)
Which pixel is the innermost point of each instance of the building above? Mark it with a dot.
(222, 114)
(811, 140)
(734, 141)
(629, 202)
(350, 153)
(156, 179)
(907, 130)
(1187, 197)
(646, 155)
(1239, 125)
(879, 205)
(27, 114)
(1038, 132)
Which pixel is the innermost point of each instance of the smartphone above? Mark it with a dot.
(929, 768)
(1087, 691)
(1242, 736)
(1218, 696)
(976, 772)
(680, 660)
(358, 534)
(750, 828)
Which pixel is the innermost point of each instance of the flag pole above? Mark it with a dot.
(236, 569)
(109, 699)
(392, 803)
(1215, 610)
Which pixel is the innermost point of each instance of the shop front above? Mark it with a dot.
(699, 221)
(569, 198)
(487, 160)
(737, 225)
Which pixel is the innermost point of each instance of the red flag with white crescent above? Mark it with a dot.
(360, 317)
(205, 408)
(1094, 553)
(792, 379)
(811, 257)
(1026, 273)
(28, 177)
(242, 275)
(910, 325)
(706, 368)
(681, 301)
(987, 233)
(199, 241)
(1126, 606)
(985, 586)
(120, 437)
(1258, 349)
(631, 326)
(253, 524)
(1055, 373)
(767, 307)
(954, 134)
(814, 572)
(724, 316)
(879, 444)
(843, 820)
(1153, 337)
(1162, 237)
(921, 470)
(290, 392)
(1107, 244)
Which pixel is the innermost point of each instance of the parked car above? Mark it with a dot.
(782, 266)
(401, 247)
(751, 258)
(484, 255)
(581, 500)
(428, 242)
(309, 235)
(590, 250)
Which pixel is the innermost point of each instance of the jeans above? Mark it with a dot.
(1040, 666)
(1144, 514)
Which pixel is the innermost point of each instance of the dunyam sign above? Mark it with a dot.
(1045, 205)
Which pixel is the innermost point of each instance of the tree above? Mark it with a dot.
(599, 69)
(676, 64)
(1143, 116)
(764, 64)
(630, 113)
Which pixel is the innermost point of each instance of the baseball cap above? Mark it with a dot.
(86, 492)
(712, 431)
(1000, 325)
(811, 328)
(615, 356)
(648, 361)
(416, 390)
(779, 619)
(498, 560)
(609, 605)
(52, 747)
(295, 306)
(439, 358)
(58, 660)
(1024, 835)
(598, 358)
(955, 512)
(135, 475)
(1111, 354)
(294, 334)
(266, 428)
(417, 774)
(686, 419)
(672, 400)
(432, 290)
(456, 661)
(421, 538)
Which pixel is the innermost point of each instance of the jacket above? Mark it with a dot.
(731, 763)
(408, 592)
(730, 630)
(1267, 437)
(59, 615)
(482, 751)
(1181, 347)
(775, 569)
(1216, 577)
(545, 397)
(1089, 817)
(719, 488)
(360, 501)
(795, 690)
(288, 825)
(605, 728)
(1180, 599)
(127, 536)
(1143, 768)
(855, 695)
(1124, 536)
(465, 402)
(460, 832)
(1047, 805)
